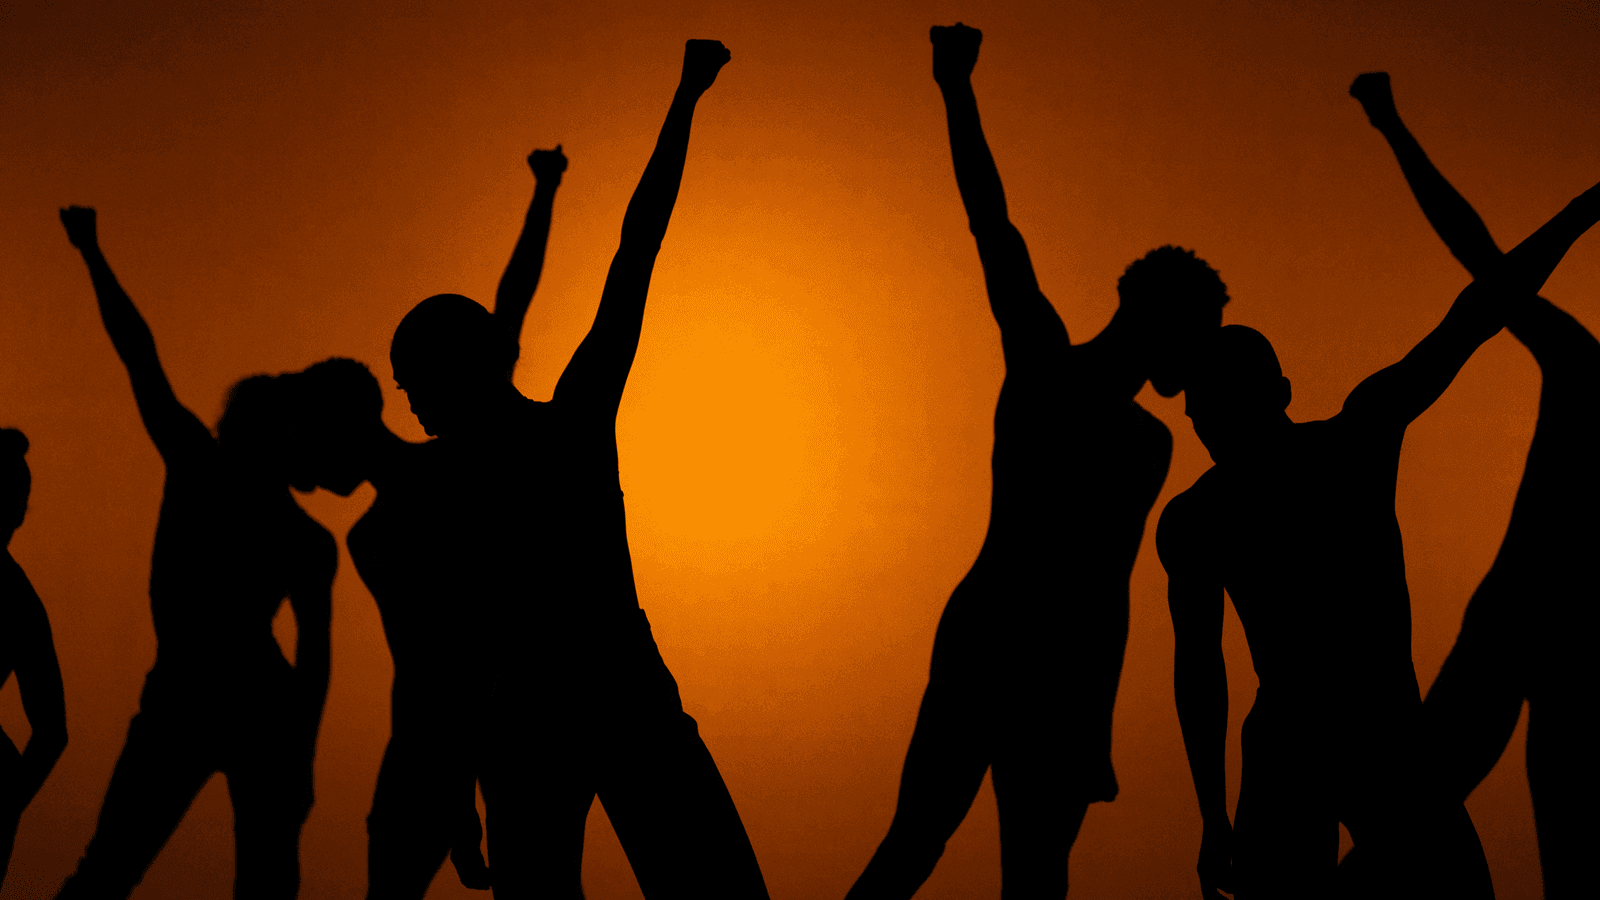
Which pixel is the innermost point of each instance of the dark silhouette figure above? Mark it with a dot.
(424, 807)
(1526, 630)
(1029, 650)
(231, 543)
(578, 702)
(1296, 522)
(27, 649)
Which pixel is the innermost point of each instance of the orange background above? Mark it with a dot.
(805, 439)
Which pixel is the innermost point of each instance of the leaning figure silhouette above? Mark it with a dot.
(1527, 631)
(1296, 522)
(424, 807)
(230, 545)
(578, 702)
(27, 649)
(1029, 649)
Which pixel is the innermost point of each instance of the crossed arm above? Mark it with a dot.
(1023, 313)
(1401, 392)
(170, 425)
(595, 378)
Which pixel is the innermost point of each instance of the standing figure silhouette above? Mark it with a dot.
(230, 544)
(1296, 522)
(424, 807)
(26, 648)
(1527, 630)
(578, 701)
(1029, 649)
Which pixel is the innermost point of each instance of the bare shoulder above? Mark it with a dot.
(1181, 532)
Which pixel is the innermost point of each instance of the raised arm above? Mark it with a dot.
(1538, 324)
(33, 655)
(1199, 686)
(521, 277)
(169, 424)
(1401, 392)
(1020, 309)
(595, 377)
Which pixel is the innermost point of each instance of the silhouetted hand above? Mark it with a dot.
(547, 165)
(955, 52)
(702, 60)
(1216, 862)
(79, 222)
(1372, 89)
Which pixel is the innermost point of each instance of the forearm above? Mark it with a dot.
(1452, 217)
(644, 225)
(521, 278)
(977, 177)
(1200, 687)
(129, 333)
(1529, 264)
(45, 747)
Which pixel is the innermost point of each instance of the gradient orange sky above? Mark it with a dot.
(805, 438)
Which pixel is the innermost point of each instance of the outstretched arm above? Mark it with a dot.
(1020, 309)
(1402, 391)
(1199, 687)
(169, 424)
(595, 377)
(521, 277)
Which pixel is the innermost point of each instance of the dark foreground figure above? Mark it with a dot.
(1029, 650)
(1296, 522)
(578, 701)
(424, 808)
(231, 543)
(27, 649)
(1527, 633)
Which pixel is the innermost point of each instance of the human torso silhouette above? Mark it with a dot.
(1304, 538)
(228, 550)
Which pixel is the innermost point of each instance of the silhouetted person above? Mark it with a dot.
(1527, 633)
(230, 544)
(26, 649)
(1029, 650)
(579, 702)
(424, 807)
(1296, 522)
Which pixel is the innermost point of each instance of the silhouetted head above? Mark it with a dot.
(1175, 300)
(337, 407)
(255, 431)
(450, 357)
(15, 480)
(1236, 391)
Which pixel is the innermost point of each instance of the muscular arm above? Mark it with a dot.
(1021, 310)
(1199, 684)
(1400, 393)
(39, 682)
(169, 424)
(595, 377)
(521, 277)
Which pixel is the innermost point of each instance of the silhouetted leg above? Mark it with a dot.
(1286, 831)
(162, 767)
(943, 772)
(1041, 808)
(10, 814)
(270, 782)
(660, 786)
(408, 837)
(537, 791)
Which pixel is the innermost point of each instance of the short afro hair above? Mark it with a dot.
(451, 333)
(1171, 279)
